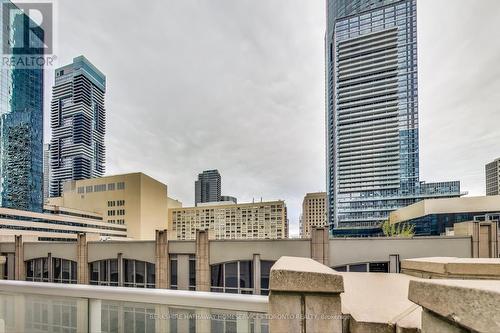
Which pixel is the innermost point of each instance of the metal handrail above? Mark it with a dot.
(179, 298)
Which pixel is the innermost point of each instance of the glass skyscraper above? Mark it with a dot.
(21, 114)
(208, 187)
(372, 112)
(78, 120)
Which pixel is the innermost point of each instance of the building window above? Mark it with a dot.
(111, 187)
(37, 270)
(173, 271)
(100, 188)
(232, 277)
(64, 271)
(120, 203)
(104, 272)
(111, 203)
(89, 189)
(340, 268)
(138, 274)
(379, 267)
(265, 270)
(120, 186)
(81, 190)
(358, 268)
(192, 272)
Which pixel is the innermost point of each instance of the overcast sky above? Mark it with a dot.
(238, 85)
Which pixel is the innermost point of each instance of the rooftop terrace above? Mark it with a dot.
(304, 296)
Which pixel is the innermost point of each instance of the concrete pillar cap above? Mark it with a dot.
(294, 274)
(471, 303)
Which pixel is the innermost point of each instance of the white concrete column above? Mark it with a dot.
(121, 320)
(19, 312)
(95, 308)
(50, 267)
(162, 318)
(11, 258)
(203, 322)
(183, 319)
(242, 323)
(121, 277)
(82, 311)
(256, 274)
(183, 271)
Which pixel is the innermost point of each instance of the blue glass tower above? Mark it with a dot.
(372, 113)
(21, 116)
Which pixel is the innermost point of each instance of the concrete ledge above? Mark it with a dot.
(293, 274)
(451, 268)
(470, 304)
(379, 303)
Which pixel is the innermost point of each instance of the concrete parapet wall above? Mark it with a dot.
(452, 268)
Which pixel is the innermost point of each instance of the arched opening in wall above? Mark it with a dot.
(104, 272)
(138, 274)
(37, 270)
(63, 270)
(234, 277)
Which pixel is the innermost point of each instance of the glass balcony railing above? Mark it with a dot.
(48, 307)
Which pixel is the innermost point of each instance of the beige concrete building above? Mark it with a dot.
(57, 224)
(260, 220)
(313, 213)
(134, 200)
(493, 177)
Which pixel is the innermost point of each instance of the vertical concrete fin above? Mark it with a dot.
(82, 259)
(162, 260)
(202, 261)
(19, 273)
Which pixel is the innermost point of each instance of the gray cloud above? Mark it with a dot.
(239, 86)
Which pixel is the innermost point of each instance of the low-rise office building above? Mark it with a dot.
(56, 224)
(434, 217)
(313, 213)
(226, 220)
(134, 200)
